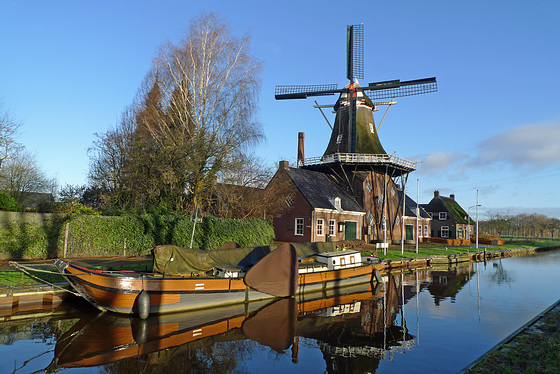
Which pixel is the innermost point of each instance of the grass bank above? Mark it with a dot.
(536, 349)
(436, 249)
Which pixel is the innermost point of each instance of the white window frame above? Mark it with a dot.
(446, 231)
(442, 216)
(419, 231)
(426, 232)
(298, 227)
(460, 233)
(320, 227)
(332, 227)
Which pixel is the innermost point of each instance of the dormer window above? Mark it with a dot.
(336, 203)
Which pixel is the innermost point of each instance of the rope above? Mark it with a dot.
(24, 268)
(19, 266)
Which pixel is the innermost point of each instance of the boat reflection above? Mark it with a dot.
(354, 321)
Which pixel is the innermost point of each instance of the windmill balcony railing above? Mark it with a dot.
(359, 158)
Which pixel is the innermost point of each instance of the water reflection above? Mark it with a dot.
(357, 323)
(355, 329)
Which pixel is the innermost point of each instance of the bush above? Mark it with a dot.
(132, 235)
(183, 232)
(246, 233)
(8, 203)
(108, 236)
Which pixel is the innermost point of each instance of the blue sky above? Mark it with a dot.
(69, 68)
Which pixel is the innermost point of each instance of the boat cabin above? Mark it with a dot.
(340, 260)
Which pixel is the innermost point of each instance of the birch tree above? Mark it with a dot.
(207, 87)
(194, 113)
(9, 129)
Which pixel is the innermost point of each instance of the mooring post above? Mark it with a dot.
(67, 229)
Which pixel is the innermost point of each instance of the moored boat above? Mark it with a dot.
(192, 279)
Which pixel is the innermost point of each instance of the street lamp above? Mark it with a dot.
(468, 217)
(469, 221)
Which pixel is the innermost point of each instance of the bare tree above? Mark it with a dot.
(243, 190)
(108, 159)
(23, 179)
(9, 129)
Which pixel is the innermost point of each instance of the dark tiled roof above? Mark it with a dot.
(442, 203)
(455, 209)
(318, 188)
(411, 207)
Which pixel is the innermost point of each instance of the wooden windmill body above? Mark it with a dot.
(354, 154)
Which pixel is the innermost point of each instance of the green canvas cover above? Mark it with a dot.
(170, 259)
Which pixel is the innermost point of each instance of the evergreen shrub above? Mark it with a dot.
(26, 236)
(8, 203)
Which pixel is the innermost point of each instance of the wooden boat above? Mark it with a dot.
(104, 338)
(274, 274)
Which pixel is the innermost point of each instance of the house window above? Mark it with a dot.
(445, 231)
(442, 216)
(332, 227)
(299, 227)
(320, 225)
(419, 231)
(426, 231)
(368, 187)
(290, 200)
(460, 233)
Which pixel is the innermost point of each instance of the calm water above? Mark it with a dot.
(429, 321)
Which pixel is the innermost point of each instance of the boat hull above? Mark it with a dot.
(119, 292)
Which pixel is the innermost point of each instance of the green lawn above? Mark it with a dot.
(18, 278)
(436, 249)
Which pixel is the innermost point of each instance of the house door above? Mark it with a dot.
(409, 232)
(350, 230)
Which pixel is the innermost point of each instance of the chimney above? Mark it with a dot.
(452, 196)
(436, 193)
(300, 149)
(283, 165)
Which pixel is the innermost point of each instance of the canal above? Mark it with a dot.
(426, 321)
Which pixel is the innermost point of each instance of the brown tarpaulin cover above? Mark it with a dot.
(170, 259)
(276, 274)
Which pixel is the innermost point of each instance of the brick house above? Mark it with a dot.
(321, 207)
(318, 208)
(449, 220)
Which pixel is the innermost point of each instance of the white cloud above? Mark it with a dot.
(535, 145)
(439, 161)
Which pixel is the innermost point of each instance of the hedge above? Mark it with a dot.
(51, 236)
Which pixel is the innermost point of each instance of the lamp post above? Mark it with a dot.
(469, 220)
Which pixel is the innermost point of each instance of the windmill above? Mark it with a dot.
(354, 154)
(354, 130)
